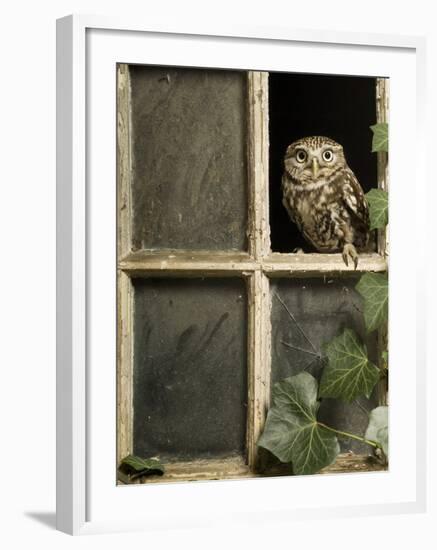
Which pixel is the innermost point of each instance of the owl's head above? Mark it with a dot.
(313, 159)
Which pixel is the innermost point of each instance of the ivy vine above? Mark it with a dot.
(134, 467)
(293, 432)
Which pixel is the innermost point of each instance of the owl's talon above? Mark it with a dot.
(298, 251)
(349, 251)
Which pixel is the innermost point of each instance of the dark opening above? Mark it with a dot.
(339, 107)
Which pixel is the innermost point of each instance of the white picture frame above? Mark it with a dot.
(87, 497)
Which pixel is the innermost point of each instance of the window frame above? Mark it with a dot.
(256, 266)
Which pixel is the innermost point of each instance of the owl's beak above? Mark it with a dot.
(315, 167)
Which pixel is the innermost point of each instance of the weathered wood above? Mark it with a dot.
(198, 470)
(382, 115)
(143, 262)
(382, 106)
(234, 468)
(259, 359)
(349, 462)
(289, 265)
(184, 263)
(258, 152)
(124, 367)
(124, 286)
(345, 463)
(124, 219)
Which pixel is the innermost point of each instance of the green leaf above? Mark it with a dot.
(349, 372)
(378, 208)
(377, 429)
(135, 466)
(380, 137)
(373, 287)
(292, 432)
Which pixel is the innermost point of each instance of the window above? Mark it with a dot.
(214, 306)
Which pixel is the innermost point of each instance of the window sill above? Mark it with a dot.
(236, 468)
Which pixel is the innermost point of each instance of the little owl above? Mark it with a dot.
(324, 198)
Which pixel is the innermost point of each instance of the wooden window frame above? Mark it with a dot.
(257, 267)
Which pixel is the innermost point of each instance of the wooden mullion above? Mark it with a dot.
(124, 284)
(188, 272)
(258, 165)
(186, 263)
(382, 101)
(298, 265)
(259, 342)
(382, 106)
(123, 161)
(124, 367)
(259, 247)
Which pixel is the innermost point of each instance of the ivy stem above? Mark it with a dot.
(297, 348)
(351, 436)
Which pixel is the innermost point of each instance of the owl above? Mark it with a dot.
(324, 198)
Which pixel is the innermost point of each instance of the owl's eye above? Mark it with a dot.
(301, 156)
(327, 155)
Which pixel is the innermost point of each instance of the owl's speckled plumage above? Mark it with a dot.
(324, 198)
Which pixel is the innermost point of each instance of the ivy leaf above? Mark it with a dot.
(378, 208)
(134, 466)
(292, 432)
(377, 429)
(380, 137)
(349, 372)
(373, 287)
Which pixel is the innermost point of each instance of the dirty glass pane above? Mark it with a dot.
(321, 308)
(190, 382)
(189, 171)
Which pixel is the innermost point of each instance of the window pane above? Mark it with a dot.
(190, 383)
(321, 309)
(189, 158)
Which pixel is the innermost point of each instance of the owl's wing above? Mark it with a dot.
(353, 197)
(287, 198)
